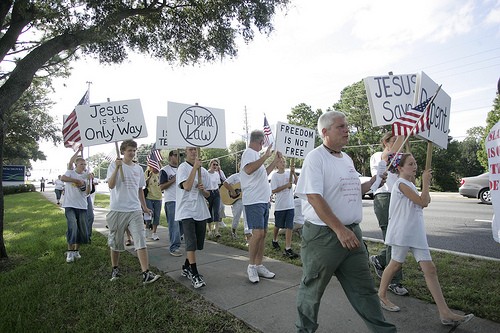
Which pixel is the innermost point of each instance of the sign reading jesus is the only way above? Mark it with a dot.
(101, 123)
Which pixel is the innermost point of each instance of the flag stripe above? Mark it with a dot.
(70, 131)
(414, 121)
(154, 158)
(268, 134)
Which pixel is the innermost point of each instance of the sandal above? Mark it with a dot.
(129, 242)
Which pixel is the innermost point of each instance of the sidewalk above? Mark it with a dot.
(269, 306)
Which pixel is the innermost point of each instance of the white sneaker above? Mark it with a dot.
(155, 237)
(264, 272)
(77, 255)
(253, 276)
(222, 224)
(70, 256)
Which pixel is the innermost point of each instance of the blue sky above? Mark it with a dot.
(317, 49)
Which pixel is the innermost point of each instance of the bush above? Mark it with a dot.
(18, 189)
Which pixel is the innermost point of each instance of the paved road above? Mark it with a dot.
(453, 223)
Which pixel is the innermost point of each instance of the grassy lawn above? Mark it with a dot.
(40, 292)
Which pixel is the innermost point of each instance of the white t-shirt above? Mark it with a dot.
(298, 217)
(74, 197)
(233, 179)
(255, 187)
(336, 180)
(167, 173)
(124, 197)
(406, 219)
(391, 177)
(59, 184)
(284, 199)
(190, 204)
(214, 181)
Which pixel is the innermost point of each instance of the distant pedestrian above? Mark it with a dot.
(77, 189)
(167, 185)
(192, 211)
(59, 188)
(406, 232)
(127, 204)
(42, 185)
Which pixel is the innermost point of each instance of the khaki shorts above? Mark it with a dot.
(118, 222)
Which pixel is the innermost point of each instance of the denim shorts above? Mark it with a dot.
(257, 215)
(283, 219)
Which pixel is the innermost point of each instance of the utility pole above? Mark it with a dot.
(246, 127)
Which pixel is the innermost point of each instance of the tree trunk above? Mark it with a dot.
(3, 250)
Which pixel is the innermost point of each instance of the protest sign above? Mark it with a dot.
(161, 132)
(294, 141)
(389, 96)
(493, 151)
(195, 126)
(439, 116)
(101, 123)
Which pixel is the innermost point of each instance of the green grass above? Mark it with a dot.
(40, 292)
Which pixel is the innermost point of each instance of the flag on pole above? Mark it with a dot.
(154, 158)
(268, 134)
(71, 134)
(414, 121)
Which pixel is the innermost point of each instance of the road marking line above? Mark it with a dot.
(489, 221)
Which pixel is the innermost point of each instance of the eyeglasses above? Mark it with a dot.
(215, 164)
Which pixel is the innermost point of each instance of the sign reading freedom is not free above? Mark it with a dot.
(101, 123)
(293, 140)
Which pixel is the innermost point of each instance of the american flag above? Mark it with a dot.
(414, 121)
(154, 158)
(268, 134)
(71, 134)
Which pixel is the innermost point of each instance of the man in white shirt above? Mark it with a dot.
(256, 195)
(331, 237)
(127, 204)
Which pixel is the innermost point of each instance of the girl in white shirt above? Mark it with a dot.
(406, 232)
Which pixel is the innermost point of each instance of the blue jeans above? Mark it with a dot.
(174, 227)
(155, 206)
(90, 217)
(77, 225)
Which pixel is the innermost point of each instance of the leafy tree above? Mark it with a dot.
(491, 120)
(469, 164)
(184, 32)
(98, 164)
(354, 104)
(303, 115)
(27, 123)
(235, 150)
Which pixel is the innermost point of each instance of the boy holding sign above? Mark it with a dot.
(127, 203)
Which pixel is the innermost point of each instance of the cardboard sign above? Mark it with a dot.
(389, 96)
(294, 141)
(161, 132)
(101, 123)
(195, 126)
(493, 151)
(439, 117)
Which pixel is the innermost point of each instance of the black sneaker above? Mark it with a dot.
(197, 281)
(115, 274)
(149, 277)
(276, 245)
(186, 271)
(398, 289)
(290, 254)
(379, 270)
